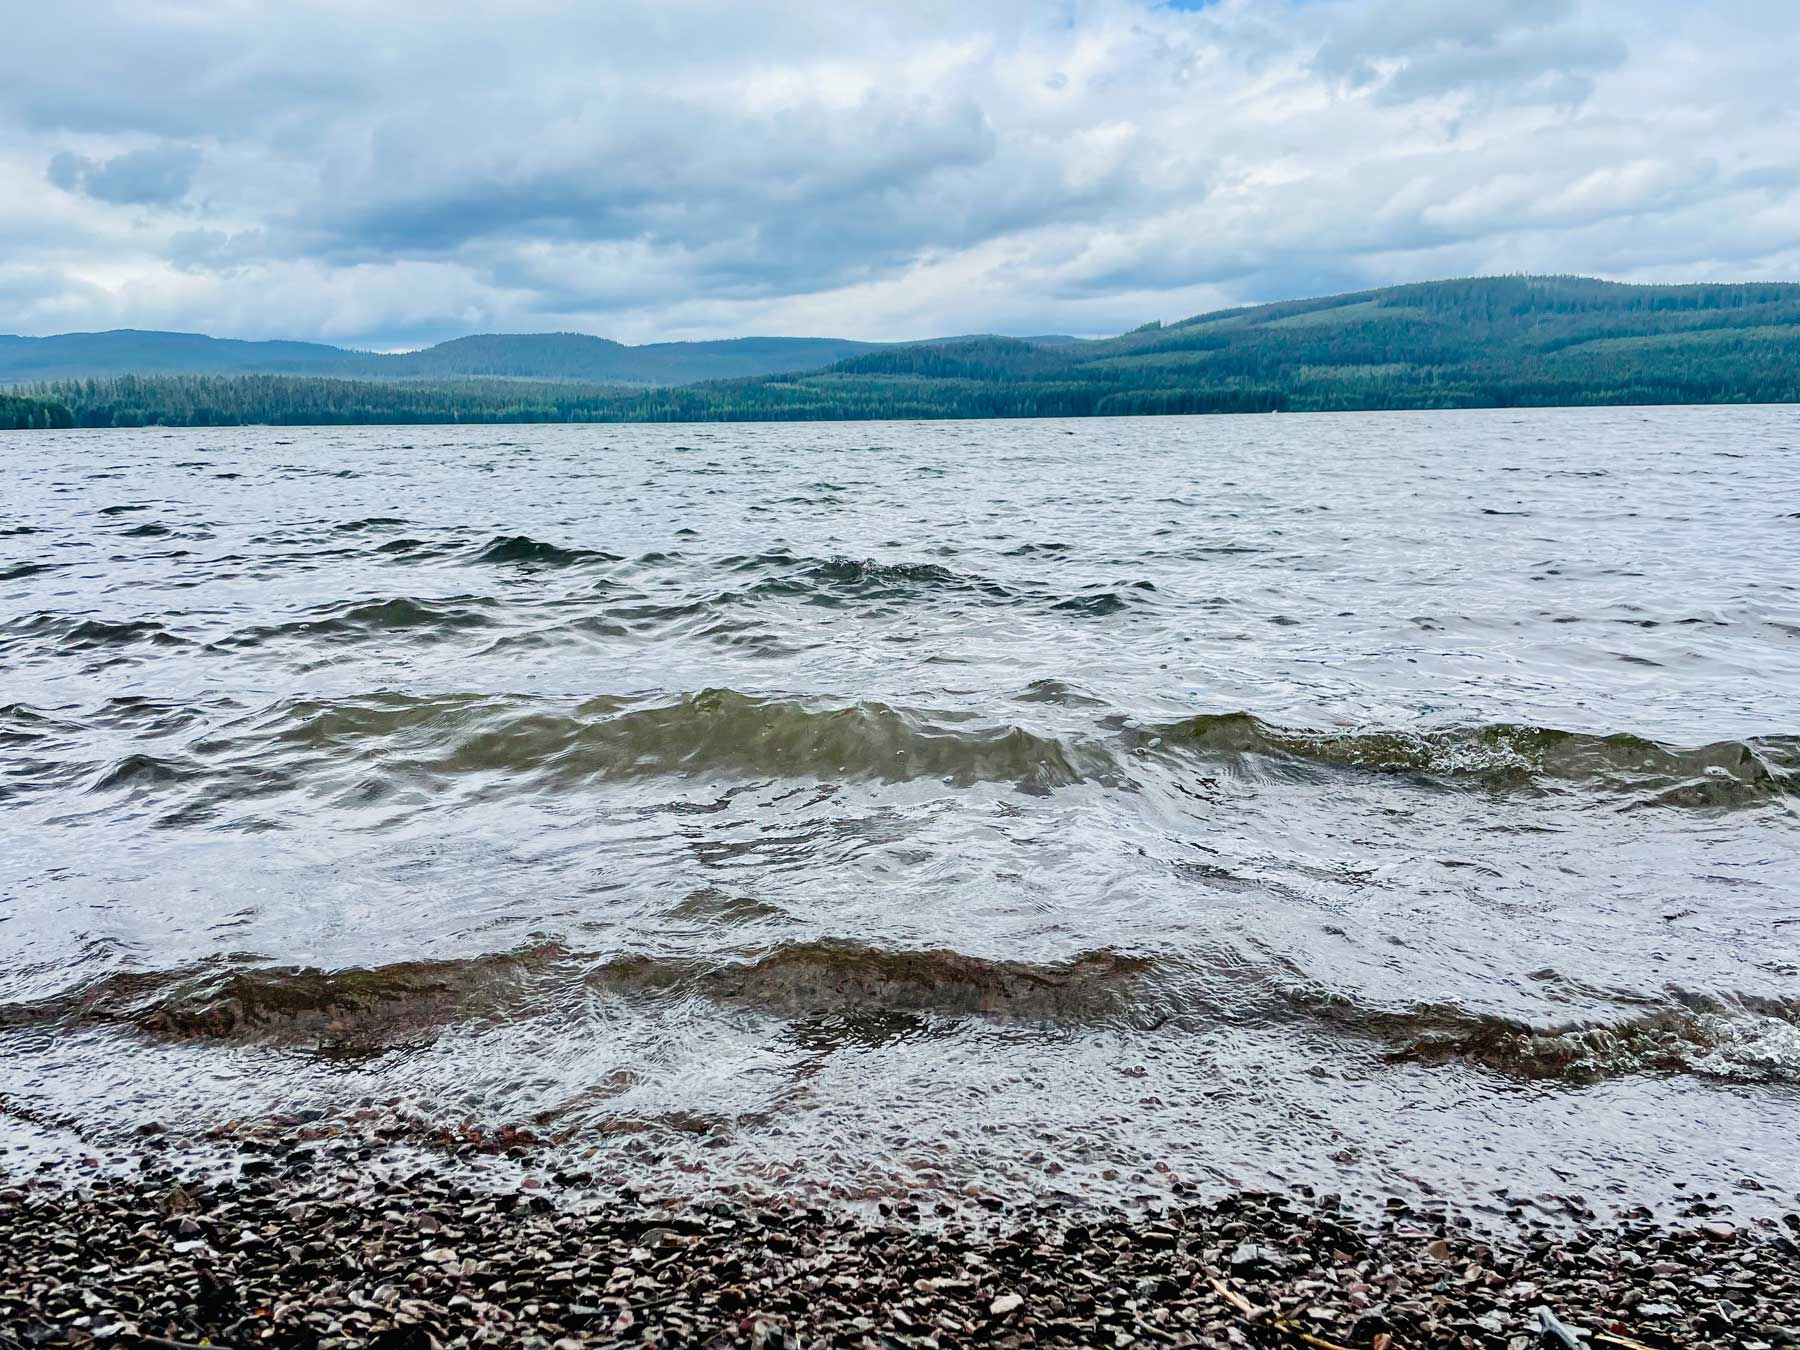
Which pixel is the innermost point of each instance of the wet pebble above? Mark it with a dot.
(346, 1255)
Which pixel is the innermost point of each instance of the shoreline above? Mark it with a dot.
(328, 1243)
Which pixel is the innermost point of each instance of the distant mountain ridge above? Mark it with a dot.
(531, 356)
(132, 351)
(1481, 342)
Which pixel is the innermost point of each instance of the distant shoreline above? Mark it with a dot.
(55, 417)
(1494, 342)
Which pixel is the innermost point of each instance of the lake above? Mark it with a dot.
(1396, 803)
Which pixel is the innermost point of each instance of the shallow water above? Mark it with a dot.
(1391, 802)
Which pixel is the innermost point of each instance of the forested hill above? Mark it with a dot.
(1487, 342)
(1483, 342)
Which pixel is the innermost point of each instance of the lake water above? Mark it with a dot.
(1400, 803)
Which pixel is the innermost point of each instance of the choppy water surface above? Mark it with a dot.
(1384, 801)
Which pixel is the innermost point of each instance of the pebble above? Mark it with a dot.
(338, 1255)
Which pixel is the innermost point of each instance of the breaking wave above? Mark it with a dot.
(1741, 1040)
(241, 999)
(832, 974)
(530, 745)
(1507, 756)
(714, 731)
(238, 998)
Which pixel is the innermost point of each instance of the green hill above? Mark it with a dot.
(1483, 342)
(1486, 342)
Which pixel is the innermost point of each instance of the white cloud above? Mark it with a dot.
(683, 168)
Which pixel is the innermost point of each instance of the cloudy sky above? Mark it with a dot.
(393, 174)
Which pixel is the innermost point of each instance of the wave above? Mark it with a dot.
(139, 770)
(522, 549)
(360, 749)
(1058, 692)
(590, 628)
(73, 634)
(863, 579)
(1095, 606)
(145, 716)
(373, 1009)
(868, 573)
(242, 999)
(533, 745)
(1099, 603)
(363, 619)
(832, 974)
(1740, 1040)
(239, 998)
(20, 570)
(21, 724)
(1510, 756)
(714, 731)
(405, 546)
(826, 580)
(870, 577)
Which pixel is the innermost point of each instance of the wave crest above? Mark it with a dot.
(523, 549)
(367, 1010)
(1737, 1044)
(717, 731)
(237, 998)
(830, 974)
(1504, 756)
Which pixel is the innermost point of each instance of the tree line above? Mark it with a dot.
(28, 414)
(1492, 342)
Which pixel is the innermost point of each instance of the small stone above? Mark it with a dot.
(1253, 1254)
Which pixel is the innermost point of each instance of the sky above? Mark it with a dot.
(391, 175)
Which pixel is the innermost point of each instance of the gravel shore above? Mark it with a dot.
(320, 1244)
